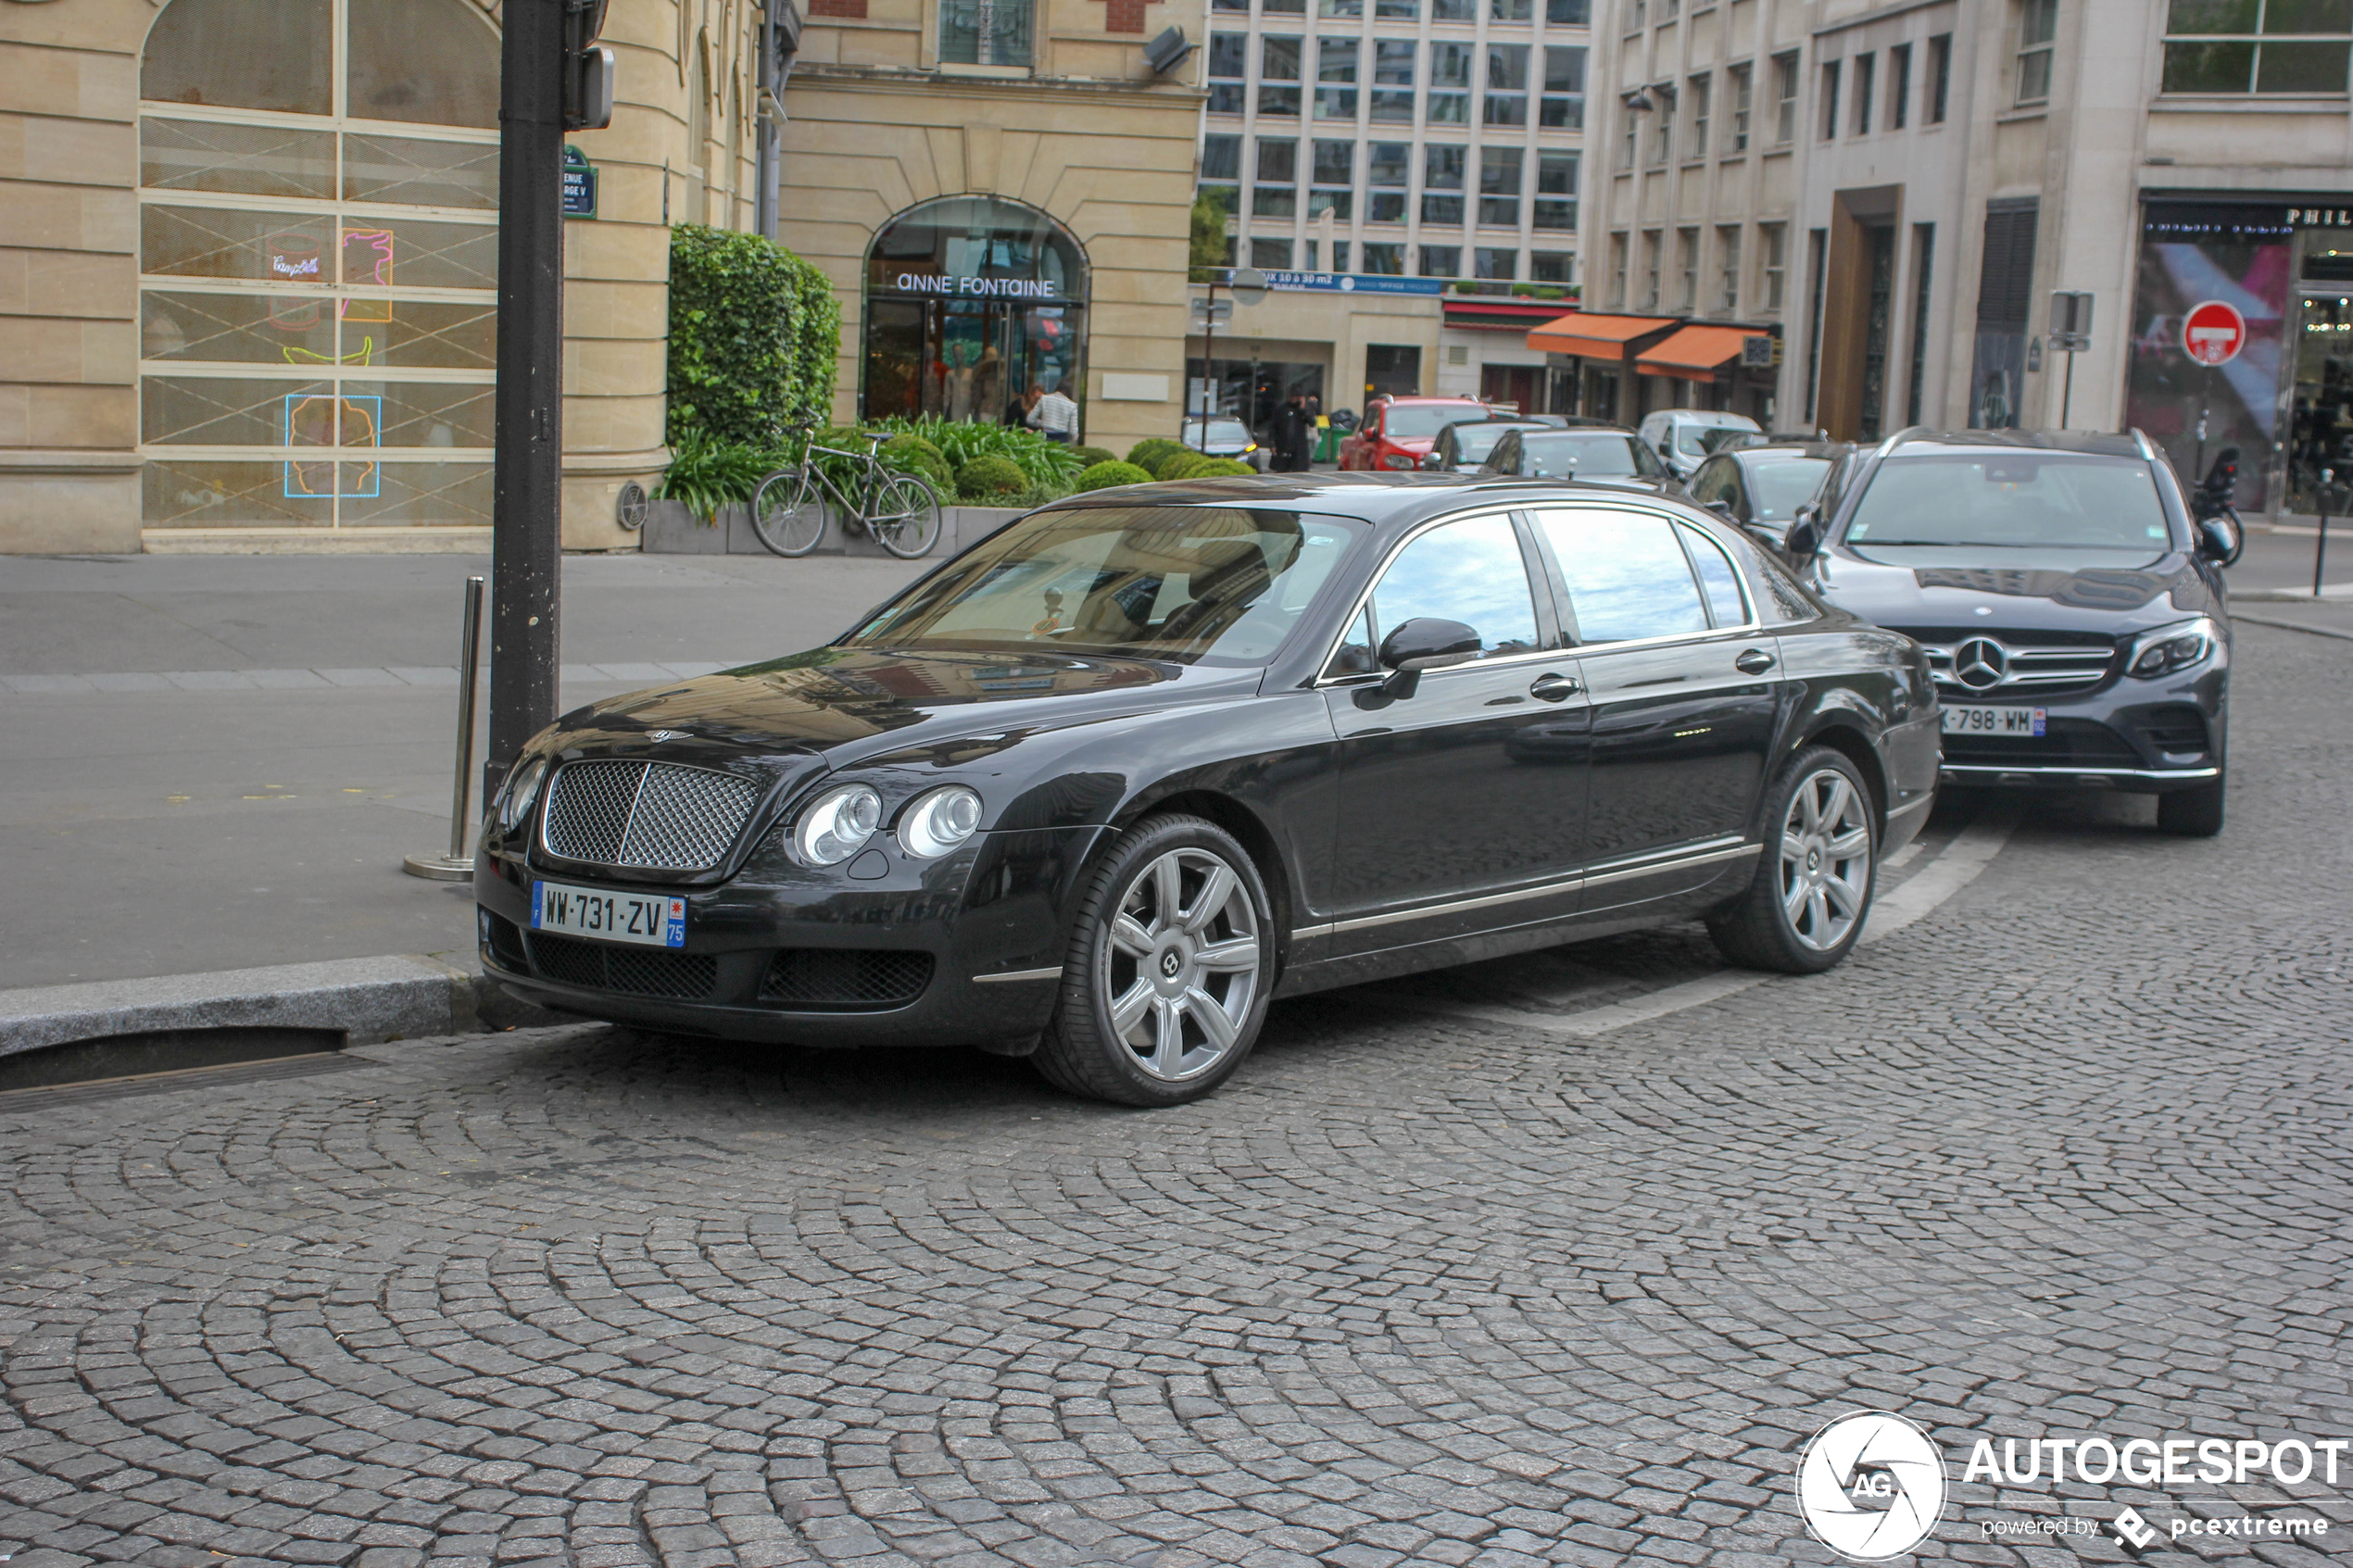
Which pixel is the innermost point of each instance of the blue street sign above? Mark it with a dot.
(580, 185)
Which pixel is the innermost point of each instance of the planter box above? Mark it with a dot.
(671, 530)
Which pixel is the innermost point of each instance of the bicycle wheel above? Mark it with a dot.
(906, 516)
(787, 513)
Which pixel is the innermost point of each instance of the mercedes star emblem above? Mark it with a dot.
(1981, 664)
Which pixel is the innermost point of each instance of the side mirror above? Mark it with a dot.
(1667, 448)
(1424, 643)
(1433, 462)
(1721, 508)
(1803, 540)
(2214, 540)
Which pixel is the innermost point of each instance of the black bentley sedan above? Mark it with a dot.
(2073, 611)
(1099, 788)
(1593, 454)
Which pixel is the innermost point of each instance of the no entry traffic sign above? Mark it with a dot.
(2213, 333)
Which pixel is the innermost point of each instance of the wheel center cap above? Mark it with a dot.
(1171, 963)
(1813, 859)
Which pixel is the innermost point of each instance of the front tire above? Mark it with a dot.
(788, 513)
(1165, 980)
(1814, 883)
(2192, 813)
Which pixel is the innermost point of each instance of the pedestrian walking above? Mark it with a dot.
(1053, 415)
(1290, 436)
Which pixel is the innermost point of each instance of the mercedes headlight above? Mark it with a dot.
(938, 822)
(2171, 649)
(520, 789)
(835, 825)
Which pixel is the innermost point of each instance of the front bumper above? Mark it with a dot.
(2146, 737)
(963, 949)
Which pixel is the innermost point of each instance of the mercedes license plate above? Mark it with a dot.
(1993, 721)
(649, 919)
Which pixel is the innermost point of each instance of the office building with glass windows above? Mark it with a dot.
(1428, 139)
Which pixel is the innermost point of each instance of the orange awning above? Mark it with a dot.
(1694, 354)
(1594, 337)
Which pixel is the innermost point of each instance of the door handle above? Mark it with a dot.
(1752, 662)
(1555, 688)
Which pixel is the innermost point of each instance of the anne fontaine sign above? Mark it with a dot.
(991, 288)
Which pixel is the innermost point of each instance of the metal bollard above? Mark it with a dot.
(457, 866)
(2321, 545)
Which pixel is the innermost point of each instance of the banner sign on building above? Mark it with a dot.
(1354, 282)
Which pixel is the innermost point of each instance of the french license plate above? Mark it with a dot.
(647, 918)
(1993, 721)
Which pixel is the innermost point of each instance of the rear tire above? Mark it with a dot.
(1166, 975)
(789, 530)
(1812, 893)
(2193, 813)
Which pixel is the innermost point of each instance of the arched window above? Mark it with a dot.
(970, 302)
(318, 259)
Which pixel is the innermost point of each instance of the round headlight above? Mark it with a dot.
(836, 824)
(939, 821)
(523, 788)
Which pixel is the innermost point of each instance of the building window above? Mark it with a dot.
(2037, 25)
(1398, 11)
(1242, 5)
(1450, 78)
(1344, 9)
(1775, 239)
(1495, 261)
(1333, 169)
(1556, 189)
(1702, 91)
(1784, 99)
(1387, 167)
(1637, 15)
(1511, 10)
(1564, 105)
(1899, 85)
(1634, 123)
(1740, 81)
(1442, 185)
(1221, 157)
(1828, 127)
(1454, 10)
(2258, 47)
(1278, 75)
(1506, 97)
(1228, 62)
(1277, 192)
(1393, 80)
(1275, 253)
(1382, 260)
(1441, 261)
(1728, 277)
(1652, 243)
(984, 32)
(1552, 266)
(1866, 79)
(1339, 256)
(1499, 186)
(1923, 266)
(317, 314)
(1617, 271)
(1569, 13)
(1663, 133)
(1687, 270)
(1283, 7)
(1336, 78)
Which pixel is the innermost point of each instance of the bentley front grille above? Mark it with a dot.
(656, 816)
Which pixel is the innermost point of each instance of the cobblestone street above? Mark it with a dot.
(1437, 1279)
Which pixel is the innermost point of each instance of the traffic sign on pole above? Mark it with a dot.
(2213, 333)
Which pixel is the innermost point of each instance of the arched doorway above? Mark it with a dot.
(319, 203)
(970, 300)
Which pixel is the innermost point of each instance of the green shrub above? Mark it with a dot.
(1187, 464)
(708, 474)
(1102, 476)
(1090, 455)
(988, 477)
(754, 332)
(912, 454)
(1217, 467)
(1151, 452)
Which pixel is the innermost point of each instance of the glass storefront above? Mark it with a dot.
(970, 302)
(2321, 408)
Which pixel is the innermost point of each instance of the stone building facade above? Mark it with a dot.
(247, 256)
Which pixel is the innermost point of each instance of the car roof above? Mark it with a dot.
(1466, 402)
(1502, 419)
(2085, 442)
(1824, 451)
(1381, 498)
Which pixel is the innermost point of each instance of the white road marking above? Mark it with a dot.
(1952, 869)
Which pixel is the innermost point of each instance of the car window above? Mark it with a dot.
(1192, 584)
(1471, 572)
(1420, 421)
(1626, 576)
(2012, 500)
(1715, 483)
(1586, 454)
(1692, 440)
(1474, 441)
(1783, 485)
(1720, 584)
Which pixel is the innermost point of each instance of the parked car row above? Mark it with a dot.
(1098, 789)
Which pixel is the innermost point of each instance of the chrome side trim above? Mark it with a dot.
(1053, 973)
(1567, 885)
(1609, 871)
(1994, 771)
(1676, 864)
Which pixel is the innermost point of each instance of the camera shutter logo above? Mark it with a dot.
(1870, 1486)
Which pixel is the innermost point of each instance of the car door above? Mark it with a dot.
(1366, 438)
(1461, 807)
(1685, 689)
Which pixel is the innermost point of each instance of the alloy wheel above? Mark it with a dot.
(1826, 859)
(1182, 964)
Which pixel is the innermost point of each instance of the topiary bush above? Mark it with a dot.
(1151, 452)
(754, 333)
(1090, 455)
(1102, 476)
(989, 477)
(1217, 467)
(912, 454)
(1184, 465)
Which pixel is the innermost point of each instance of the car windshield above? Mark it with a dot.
(1472, 442)
(2012, 500)
(1780, 485)
(1586, 454)
(1422, 421)
(1194, 585)
(1692, 440)
(1222, 432)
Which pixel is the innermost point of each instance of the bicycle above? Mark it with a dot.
(899, 512)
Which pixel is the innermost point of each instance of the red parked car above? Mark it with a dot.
(1397, 432)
